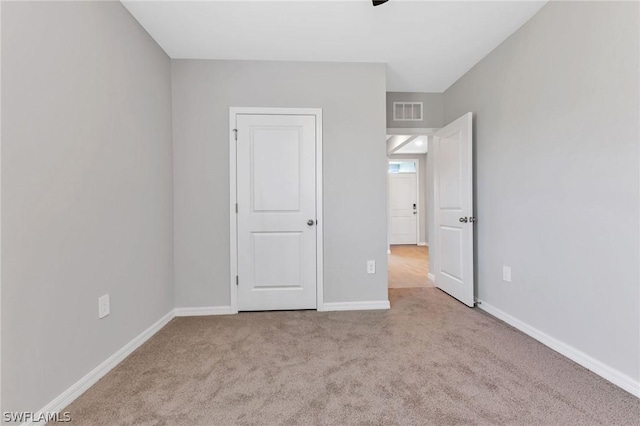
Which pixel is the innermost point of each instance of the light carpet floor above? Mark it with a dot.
(428, 360)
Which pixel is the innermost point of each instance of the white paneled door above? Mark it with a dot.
(453, 205)
(276, 219)
(403, 211)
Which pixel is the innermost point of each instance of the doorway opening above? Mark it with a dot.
(407, 209)
(447, 213)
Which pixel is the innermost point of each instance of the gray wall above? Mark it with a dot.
(353, 100)
(433, 114)
(556, 128)
(423, 232)
(86, 191)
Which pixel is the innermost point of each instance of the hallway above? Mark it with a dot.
(409, 266)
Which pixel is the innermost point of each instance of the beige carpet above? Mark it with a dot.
(409, 266)
(429, 360)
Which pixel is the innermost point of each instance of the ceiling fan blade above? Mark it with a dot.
(379, 2)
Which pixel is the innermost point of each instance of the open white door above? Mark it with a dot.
(453, 205)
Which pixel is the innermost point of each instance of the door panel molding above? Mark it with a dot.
(234, 112)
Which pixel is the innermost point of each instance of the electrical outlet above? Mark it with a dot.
(103, 306)
(506, 273)
(371, 267)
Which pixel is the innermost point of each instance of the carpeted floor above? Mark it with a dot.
(428, 360)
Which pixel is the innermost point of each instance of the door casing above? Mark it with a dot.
(233, 218)
(418, 210)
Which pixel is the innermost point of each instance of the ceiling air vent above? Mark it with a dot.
(407, 111)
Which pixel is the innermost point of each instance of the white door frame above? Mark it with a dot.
(418, 215)
(233, 219)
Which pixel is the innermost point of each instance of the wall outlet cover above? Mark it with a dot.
(371, 267)
(506, 273)
(104, 307)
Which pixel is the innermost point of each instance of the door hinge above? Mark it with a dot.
(237, 280)
(236, 207)
(235, 133)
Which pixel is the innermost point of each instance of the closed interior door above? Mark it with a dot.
(276, 181)
(454, 221)
(403, 208)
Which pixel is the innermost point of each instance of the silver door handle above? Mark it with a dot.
(463, 220)
(311, 222)
(472, 219)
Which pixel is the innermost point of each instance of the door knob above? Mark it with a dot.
(310, 222)
(472, 219)
(463, 220)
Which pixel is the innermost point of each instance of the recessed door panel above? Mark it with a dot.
(278, 260)
(450, 250)
(275, 162)
(450, 173)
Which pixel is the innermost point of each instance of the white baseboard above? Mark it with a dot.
(202, 311)
(606, 372)
(81, 386)
(431, 277)
(423, 244)
(356, 306)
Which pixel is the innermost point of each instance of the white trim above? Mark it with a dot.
(423, 244)
(616, 377)
(418, 209)
(431, 277)
(233, 236)
(233, 218)
(411, 130)
(81, 386)
(320, 214)
(204, 311)
(357, 306)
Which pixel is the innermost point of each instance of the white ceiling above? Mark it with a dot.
(427, 45)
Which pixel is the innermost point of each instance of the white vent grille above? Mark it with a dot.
(407, 111)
